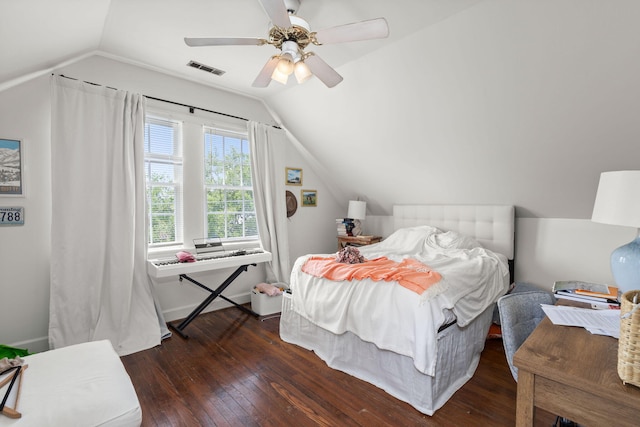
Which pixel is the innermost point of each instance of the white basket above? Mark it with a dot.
(263, 304)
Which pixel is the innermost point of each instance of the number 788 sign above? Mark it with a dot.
(11, 216)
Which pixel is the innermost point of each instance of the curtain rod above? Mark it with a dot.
(190, 107)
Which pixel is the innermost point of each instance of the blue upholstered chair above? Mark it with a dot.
(520, 313)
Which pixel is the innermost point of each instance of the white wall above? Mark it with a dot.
(25, 250)
(550, 249)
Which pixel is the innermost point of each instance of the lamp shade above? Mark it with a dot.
(302, 72)
(285, 65)
(280, 77)
(357, 209)
(618, 199)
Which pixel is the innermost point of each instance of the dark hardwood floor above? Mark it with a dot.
(234, 370)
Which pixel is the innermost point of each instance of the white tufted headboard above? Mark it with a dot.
(493, 226)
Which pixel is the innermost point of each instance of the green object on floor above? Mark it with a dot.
(12, 352)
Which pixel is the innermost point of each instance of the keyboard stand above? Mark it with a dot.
(213, 295)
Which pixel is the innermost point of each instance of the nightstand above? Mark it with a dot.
(357, 240)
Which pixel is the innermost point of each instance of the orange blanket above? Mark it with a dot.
(409, 273)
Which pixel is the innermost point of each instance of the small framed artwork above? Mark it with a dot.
(309, 197)
(11, 168)
(294, 176)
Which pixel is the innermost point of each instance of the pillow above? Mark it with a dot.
(402, 242)
(410, 238)
(452, 240)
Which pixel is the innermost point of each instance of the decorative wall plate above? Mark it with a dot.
(292, 204)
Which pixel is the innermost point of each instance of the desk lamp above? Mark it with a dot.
(618, 203)
(357, 211)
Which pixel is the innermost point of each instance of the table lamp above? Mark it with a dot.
(618, 203)
(357, 211)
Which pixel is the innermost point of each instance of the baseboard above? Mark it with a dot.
(36, 345)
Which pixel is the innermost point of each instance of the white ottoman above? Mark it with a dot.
(79, 385)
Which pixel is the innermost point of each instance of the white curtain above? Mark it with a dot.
(99, 284)
(267, 146)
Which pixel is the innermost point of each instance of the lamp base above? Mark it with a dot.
(357, 227)
(625, 266)
(349, 225)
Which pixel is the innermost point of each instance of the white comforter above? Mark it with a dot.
(393, 317)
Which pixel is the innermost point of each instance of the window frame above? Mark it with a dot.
(242, 186)
(193, 196)
(177, 160)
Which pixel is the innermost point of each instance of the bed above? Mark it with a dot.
(418, 347)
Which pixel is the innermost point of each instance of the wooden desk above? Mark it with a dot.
(572, 373)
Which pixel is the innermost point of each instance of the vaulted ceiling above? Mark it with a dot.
(37, 35)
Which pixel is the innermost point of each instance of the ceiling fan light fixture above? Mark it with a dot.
(302, 72)
(285, 65)
(291, 34)
(279, 76)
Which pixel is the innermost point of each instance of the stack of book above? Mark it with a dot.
(598, 295)
(342, 228)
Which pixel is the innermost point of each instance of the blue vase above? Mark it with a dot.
(625, 266)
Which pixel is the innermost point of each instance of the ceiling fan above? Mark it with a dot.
(291, 35)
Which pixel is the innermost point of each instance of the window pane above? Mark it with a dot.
(232, 146)
(234, 200)
(215, 225)
(214, 173)
(235, 225)
(163, 200)
(213, 159)
(248, 201)
(163, 228)
(246, 175)
(251, 225)
(159, 138)
(215, 200)
(246, 164)
(229, 195)
(163, 173)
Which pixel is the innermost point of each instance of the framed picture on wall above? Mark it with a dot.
(309, 197)
(11, 168)
(294, 176)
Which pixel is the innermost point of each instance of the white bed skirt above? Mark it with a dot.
(394, 373)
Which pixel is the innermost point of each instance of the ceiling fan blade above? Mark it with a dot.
(277, 12)
(264, 78)
(323, 71)
(223, 41)
(356, 31)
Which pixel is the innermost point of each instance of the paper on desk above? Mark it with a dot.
(600, 322)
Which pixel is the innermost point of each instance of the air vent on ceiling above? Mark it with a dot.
(206, 68)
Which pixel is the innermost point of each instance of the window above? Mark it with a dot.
(198, 176)
(163, 170)
(230, 211)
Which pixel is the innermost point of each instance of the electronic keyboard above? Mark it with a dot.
(165, 267)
